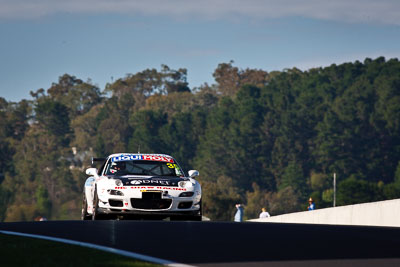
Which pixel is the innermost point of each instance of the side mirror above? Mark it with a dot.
(91, 172)
(193, 173)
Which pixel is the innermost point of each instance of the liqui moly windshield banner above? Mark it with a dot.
(142, 157)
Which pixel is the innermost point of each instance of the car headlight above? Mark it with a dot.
(185, 184)
(118, 182)
(115, 192)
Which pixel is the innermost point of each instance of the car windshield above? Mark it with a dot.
(143, 167)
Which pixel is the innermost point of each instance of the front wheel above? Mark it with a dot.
(95, 213)
(201, 209)
(196, 218)
(84, 215)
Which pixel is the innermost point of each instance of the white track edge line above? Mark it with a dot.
(103, 248)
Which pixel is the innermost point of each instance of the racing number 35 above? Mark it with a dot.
(172, 165)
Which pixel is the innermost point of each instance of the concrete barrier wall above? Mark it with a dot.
(382, 213)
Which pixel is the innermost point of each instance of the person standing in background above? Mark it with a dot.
(239, 213)
(264, 213)
(311, 205)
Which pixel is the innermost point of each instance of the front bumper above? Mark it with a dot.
(137, 202)
(142, 213)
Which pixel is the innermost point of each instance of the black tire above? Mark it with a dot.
(199, 216)
(201, 209)
(84, 215)
(196, 218)
(178, 218)
(95, 213)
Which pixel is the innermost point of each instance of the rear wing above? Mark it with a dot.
(102, 160)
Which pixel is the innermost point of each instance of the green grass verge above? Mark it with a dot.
(25, 251)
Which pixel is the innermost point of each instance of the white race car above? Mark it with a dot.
(141, 186)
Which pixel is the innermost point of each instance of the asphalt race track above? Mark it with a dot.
(233, 244)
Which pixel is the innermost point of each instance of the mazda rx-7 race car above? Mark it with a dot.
(130, 186)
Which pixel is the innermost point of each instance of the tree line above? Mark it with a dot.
(264, 139)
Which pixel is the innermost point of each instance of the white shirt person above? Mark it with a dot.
(264, 213)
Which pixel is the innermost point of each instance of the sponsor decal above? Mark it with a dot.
(120, 187)
(150, 181)
(176, 167)
(142, 157)
(153, 188)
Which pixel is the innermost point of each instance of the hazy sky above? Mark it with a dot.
(100, 39)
